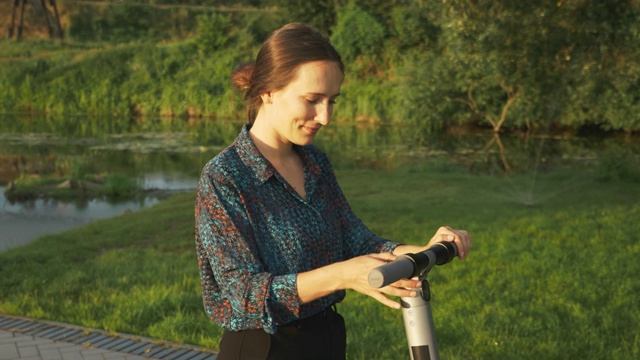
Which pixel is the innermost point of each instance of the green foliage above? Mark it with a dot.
(127, 80)
(320, 14)
(213, 33)
(423, 98)
(358, 34)
(550, 73)
(91, 85)
(119, 186)
(368, 100)
(79, 171)
(127, 21)
(411, 28)
(501, 64)
(78, 185)
(116, 23)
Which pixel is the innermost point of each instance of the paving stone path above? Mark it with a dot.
(30, 339)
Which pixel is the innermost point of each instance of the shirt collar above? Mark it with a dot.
(251, 156)
(261, 167)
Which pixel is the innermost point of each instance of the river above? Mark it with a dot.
(24, 221)
(169, 157)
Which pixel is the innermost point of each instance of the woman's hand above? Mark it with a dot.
(460, 237)
(360, 267)
(353, 274)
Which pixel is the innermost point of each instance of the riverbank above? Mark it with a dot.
(540, 271)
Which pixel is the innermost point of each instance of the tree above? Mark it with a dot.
(358, 36)
(213, 32)
(520, 63)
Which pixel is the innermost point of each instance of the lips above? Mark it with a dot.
(311, 130)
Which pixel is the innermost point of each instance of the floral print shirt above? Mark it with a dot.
(254, 234)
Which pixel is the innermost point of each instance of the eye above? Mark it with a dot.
(314, 101)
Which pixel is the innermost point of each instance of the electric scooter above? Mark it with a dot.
(416, 311)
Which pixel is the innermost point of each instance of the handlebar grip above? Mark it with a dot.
(401, 268)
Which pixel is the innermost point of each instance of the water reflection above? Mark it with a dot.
(24, 221)
(169, 155)
(169, 182)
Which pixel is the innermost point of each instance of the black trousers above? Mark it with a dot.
(322, 336)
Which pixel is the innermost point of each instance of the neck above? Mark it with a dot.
(269, 144)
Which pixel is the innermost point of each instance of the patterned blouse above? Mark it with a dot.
(254, 234)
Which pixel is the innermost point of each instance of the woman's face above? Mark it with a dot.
(298, 111)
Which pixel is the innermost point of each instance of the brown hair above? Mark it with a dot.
(278, 59)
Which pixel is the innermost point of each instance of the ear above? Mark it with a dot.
(266, 98)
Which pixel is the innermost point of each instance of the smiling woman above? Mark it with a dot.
(298, 111)
(277, 241)
(294, 115)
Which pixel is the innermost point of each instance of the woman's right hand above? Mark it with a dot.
(354, 274)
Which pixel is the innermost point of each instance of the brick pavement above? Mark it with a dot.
(30, 339)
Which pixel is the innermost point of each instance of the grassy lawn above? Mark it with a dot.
(553, 273)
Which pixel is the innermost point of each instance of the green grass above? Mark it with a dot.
(553, 273)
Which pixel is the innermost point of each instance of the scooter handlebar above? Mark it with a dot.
(411, 265)
(401, 268)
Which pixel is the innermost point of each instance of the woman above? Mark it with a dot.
(277, 242)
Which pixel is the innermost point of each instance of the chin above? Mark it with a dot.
(304, 140)
(304, 143)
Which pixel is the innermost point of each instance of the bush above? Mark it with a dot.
(213, 33)
(119, 186)
(357, 34)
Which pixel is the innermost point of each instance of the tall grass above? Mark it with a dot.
(555, 278)
(122, 80)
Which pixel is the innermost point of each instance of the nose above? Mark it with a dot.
(323, 115)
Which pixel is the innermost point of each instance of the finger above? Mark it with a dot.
(399, 292)
(385, 300)
(451, 236)
(407, 284)
(461, 239)
(465, 240)
(448, 236)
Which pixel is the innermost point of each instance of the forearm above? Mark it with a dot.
(326, 280)
(318, 283)
(352, 274)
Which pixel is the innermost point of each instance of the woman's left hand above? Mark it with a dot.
(460, 237)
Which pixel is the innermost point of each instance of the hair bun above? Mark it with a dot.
(241, 76)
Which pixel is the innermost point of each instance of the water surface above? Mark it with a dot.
(169, 155)
(24, 221)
